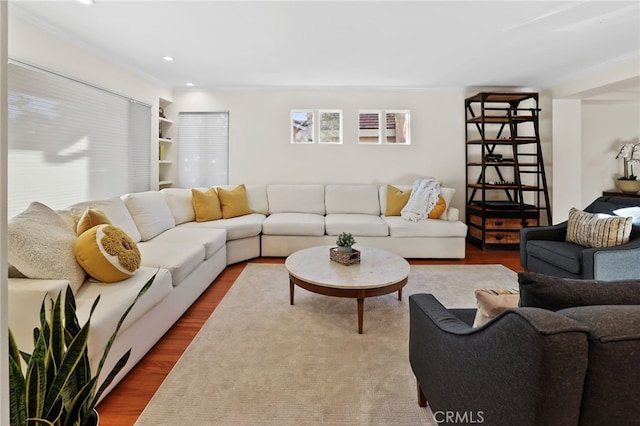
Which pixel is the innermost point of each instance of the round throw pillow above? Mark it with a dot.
(107, 253)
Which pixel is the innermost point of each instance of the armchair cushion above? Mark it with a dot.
(562, 254)
(554, 293)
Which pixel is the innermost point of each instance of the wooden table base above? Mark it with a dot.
(358, 294)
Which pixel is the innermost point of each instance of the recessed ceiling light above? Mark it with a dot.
(168, 58)
(86, 1)
(189, 84)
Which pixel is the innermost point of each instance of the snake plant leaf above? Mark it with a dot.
(112, 374)
(78, 403)
(14, 352)
(71, 323)
(56, 343)
(69, 362)
(107, 349)
(17, 387)
(36, 378)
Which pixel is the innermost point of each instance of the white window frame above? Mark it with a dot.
(315, 134)
(383, 132)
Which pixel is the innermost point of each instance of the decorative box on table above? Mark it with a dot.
(346, 258)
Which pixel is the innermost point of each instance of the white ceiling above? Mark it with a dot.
(350, 44)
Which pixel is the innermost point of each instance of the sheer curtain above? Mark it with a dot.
(203, 150)
(70, 141)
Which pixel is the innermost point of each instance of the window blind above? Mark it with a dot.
(203, 150)
(70, 141)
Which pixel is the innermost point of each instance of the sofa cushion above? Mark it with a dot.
(115, 298)
(180, 203)
(357, 224)
(296, 199)
(293, 224)
(40, 245)
(234, 202)
(91, 218)
(246, 226)
(116, 211)
(206, 205)
(447, 194)
(592, 230)
(180, 259)
(362, 199)
(107, 253)
(257, 196)
(554, 293)
(150, 213)
(211, 239)
(398, 227)
(564, 255)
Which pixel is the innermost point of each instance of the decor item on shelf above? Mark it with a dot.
(630, 153)
(59, 387)
(161, 112)
(345, 241)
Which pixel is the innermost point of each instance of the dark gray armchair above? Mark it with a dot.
(525, 368)
(543, 249)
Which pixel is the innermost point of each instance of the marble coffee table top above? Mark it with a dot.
(377, 268)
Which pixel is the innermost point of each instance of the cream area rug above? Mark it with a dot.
(260, 361)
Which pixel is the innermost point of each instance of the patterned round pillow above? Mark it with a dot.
(107, 253)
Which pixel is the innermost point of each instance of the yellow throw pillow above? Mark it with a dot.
(492, 303)
(234, 202)
(438, 209)
(107, 254)
(206, 205)
(396, 200)
(90, 218)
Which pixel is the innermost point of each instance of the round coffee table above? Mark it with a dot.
(379, 272)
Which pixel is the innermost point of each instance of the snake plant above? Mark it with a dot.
(57, 387)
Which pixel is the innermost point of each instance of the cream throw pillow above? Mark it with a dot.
(41, 244)
(492, 303)
(593, 230)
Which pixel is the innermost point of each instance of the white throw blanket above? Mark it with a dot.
(423, 199)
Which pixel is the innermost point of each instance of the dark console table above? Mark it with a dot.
(617, 193)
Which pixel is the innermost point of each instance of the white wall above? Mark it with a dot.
(605, 126)
(591, 116)
(260, 148)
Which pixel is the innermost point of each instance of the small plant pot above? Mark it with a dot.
(346, 249)
(628, 186)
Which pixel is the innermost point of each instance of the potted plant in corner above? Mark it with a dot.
(630, 153)
(58, 387)
(344, 242)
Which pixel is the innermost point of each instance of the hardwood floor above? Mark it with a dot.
(125, 403)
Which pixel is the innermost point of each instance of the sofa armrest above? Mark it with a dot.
(612, 263)
(25, 299)
(453, 214)
(552, 233)
(539, 355)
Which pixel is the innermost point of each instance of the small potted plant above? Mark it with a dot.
(344, 242)
(630, 153)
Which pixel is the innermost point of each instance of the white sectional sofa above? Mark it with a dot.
(189, 255)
